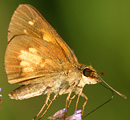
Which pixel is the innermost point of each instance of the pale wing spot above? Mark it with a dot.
(30, 57)
(24, 63)
(46, 38)
(32, 50)
(28, 69)
(31, 22)
(47, 61)
(25, 31)
(26, 66)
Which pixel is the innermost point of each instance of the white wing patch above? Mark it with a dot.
(29, 59)
(47, 38)
(31, 22)
(24, 63)
(32, 50)
(30, 56)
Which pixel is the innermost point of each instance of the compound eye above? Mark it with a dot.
(87, 72)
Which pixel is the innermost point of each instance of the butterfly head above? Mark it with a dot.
(89, 76)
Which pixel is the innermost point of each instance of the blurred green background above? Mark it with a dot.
(99, 33)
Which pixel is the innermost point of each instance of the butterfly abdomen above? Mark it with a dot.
(27, 91)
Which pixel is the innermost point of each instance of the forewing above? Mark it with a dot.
(27, 20)
(34, 48)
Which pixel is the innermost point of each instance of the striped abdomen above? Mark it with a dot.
(27, 91)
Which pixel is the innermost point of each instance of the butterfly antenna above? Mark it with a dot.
(103, 103)
(122, 95)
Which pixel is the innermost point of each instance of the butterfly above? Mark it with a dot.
(39, 60)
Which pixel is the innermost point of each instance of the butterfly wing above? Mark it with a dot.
(34, 48)
(27, 20)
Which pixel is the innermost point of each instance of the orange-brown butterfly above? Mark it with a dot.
(38, 59)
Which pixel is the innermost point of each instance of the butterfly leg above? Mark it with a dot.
(48, 106)
(46, 102)
(67, 100)
(66, 106)
(86, 99)
(71, 100)
(79, 94)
